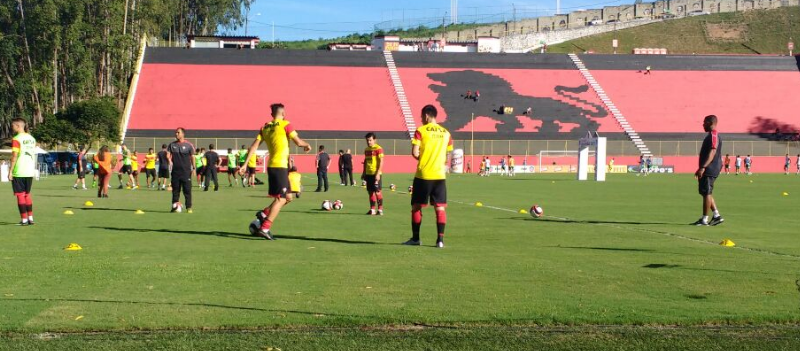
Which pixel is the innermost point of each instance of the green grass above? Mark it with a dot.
(614, 253)
(768, 32)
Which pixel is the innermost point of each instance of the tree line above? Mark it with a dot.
(54, 53)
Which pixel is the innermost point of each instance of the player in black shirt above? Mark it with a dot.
(212, 164)
(710, 164)
(163, 167)
(323, 161)
(347, 164)
(181, 159)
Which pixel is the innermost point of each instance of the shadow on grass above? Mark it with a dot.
(575, 221)
(9, 223)
(677, 266)
(231, 235)
(189, 232)
(604, 249)
(193, 304)
(112, 209)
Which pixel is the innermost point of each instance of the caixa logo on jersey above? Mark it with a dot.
(653, 169)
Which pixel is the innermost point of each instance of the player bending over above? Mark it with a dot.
(708, 171)
(276, 134)
(373, 171)
(430, 146)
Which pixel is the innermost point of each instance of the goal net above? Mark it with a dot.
(559, 161)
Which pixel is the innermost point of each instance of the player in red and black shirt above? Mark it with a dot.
(710, 165)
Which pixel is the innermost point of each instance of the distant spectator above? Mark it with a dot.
(528, 112)
(469, 95)
(477, 95)
(341, 168)
(647, 70)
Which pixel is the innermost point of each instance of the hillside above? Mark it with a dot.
(752, 32)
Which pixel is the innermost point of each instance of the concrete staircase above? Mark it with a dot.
(629, 131)
(400, 93)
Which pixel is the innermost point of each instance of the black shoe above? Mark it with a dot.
(120, 186)
(700, 223)
(371, 213)
(30, 222)
(412, 242)
(22, 224)
(264, 234)
(716, 221)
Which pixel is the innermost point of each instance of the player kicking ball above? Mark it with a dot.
(373, 170)
(429, 147)
(276, 134)
(710, 166)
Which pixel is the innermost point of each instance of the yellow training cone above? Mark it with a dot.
(73, 247)
(139, 212)
(88, 204)
(727, 243)
(479, 204)
(785, 194)
(69, 212)
(523, 211)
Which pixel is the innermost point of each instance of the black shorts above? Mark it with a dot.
(126, 169)
(231, 170)
(252, 171)
(432, 192)
(706, 185)
(22, 185)
(278, 179)
(150, 172)
(241, 164)
(200, 170)
(81, 173)
(163, 173)
(372, 187)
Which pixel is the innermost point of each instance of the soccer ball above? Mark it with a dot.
(178, 207)
(364, 183)
(536, 211)
(338, 205)
(392, 187)
(327, 205)
(410, 189)
(255, 225)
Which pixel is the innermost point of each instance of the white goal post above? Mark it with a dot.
(584, 144)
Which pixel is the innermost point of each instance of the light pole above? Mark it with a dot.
(247, 19)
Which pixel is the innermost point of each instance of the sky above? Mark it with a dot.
(311, 19)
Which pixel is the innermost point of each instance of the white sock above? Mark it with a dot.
(25, 220)
(716, 213)
(30, 218)
(705, 219)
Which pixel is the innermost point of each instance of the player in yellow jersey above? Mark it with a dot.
(22, 168)
(150, 168)
(252, 163)
(276, 134)
(134, 171)
(373, 171)
(430, 146)
(511, 165)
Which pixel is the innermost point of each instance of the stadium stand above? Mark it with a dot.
(227, 93)
(751, 95)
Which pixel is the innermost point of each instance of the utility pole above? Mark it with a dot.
(273, 34)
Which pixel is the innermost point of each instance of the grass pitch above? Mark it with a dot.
(615, 253)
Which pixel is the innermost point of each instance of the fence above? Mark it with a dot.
(499, 147)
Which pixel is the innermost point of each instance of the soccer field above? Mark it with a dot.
(617, 253)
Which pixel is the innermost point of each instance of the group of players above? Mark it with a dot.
(179, 162)
(505, 166)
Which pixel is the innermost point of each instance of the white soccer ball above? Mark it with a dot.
(410, 189)
(536, 211)
(338, 205)
(392, 187)
(255, 225)
(178, 207)
(327, 205)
